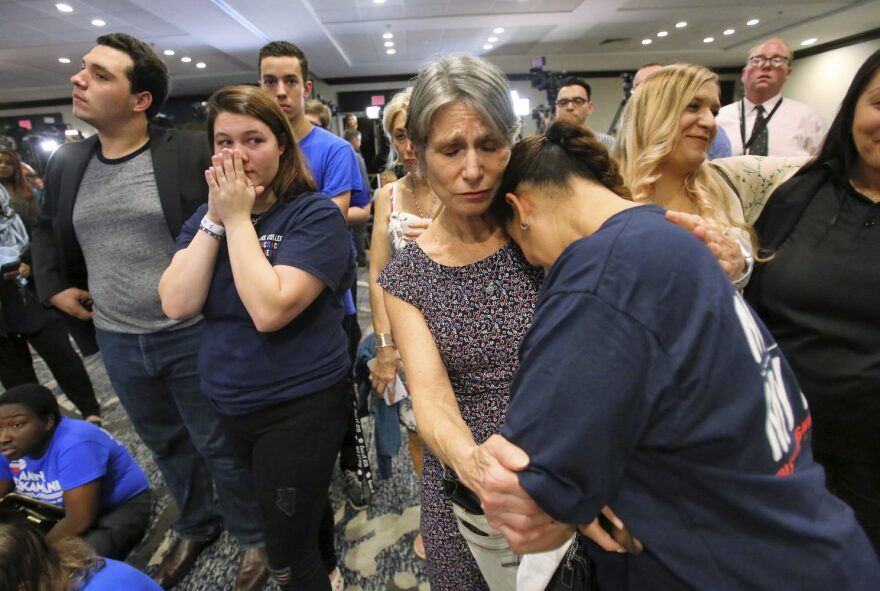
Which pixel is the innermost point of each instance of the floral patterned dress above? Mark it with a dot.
(478, 315)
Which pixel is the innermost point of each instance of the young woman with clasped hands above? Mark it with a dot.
(266, 262)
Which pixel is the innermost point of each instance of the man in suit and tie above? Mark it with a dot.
(114, 204)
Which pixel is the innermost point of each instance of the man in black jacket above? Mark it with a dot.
(114, 205)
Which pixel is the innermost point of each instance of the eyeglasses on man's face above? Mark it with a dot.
(777, 61)
(576, 101)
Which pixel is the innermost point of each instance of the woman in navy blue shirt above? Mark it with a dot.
(647, 383)
(266, 262)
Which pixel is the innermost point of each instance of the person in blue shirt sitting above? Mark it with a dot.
(267, 261)
(75, 465)
(31, 563)
(646, 383)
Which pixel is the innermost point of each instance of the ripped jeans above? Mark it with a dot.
(290, 449)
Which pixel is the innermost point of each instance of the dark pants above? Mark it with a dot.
(156, 378)
(858, 485)
(291, 449)
(116, 532)
(53, 345)
(359, 237)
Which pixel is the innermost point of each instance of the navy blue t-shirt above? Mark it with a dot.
(243, 370)
(646, 383)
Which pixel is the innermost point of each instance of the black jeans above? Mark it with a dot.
(115, 533)
(858, 485)
(290, 449)
(53, 345)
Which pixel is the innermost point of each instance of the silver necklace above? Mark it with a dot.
(412, 189)
(256, 219)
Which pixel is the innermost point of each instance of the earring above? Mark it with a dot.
(523, 226)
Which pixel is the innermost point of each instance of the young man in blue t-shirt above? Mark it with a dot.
(284, 74)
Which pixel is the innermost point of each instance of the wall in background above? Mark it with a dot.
(822, 80)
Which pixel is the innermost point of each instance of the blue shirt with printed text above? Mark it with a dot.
(78, 454)
(243, 370)
(646, 383)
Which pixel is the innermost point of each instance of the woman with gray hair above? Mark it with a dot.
(460, 299)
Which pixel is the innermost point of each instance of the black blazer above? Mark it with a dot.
(179, 161)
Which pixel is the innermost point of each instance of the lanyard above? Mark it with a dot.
(757, 128)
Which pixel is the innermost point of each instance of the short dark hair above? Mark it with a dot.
(285, 49)
(572, 81)
(350, 134)
(148, 74)
(37, 398)
(839, 141)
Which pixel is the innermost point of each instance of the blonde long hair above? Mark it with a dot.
(649, 134)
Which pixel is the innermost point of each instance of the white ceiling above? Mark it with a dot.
(343, 38)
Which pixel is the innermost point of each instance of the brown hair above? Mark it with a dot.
(316, 107)
(19, 182)
(293, 177)
(565, 150)
(78, 560)
(29, 562)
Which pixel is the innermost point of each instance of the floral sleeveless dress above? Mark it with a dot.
(478, 315)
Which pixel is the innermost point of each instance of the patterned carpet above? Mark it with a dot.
(374, 546)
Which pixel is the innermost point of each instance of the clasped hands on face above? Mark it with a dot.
(726, 249)
(511, 510)
(231, 193)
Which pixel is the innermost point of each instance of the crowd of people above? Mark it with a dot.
(640, 361)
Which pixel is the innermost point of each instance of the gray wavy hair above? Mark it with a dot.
(463, 78)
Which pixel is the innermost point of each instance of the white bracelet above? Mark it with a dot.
(213, 230)
(743, 279)
(384, 339)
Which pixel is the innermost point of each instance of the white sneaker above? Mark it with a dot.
(337, 583)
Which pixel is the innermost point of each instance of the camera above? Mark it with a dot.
(550, 83)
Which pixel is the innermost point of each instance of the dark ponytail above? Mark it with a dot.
(566, 149)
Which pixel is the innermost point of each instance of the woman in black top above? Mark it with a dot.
(23, 319)
(817, 294)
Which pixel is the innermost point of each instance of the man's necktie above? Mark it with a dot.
(758, 146)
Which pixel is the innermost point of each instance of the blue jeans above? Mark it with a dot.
(156, 379)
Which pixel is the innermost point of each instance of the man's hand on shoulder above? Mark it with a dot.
(73, 301)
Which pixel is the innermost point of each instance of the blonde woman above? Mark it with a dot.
(403, 210)
(665, 134)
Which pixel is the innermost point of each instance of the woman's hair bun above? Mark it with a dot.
(565, 129)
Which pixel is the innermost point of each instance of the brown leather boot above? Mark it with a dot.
(179, 561)
(253, 570)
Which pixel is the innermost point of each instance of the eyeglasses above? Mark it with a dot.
(777, 61)
(576, 101)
